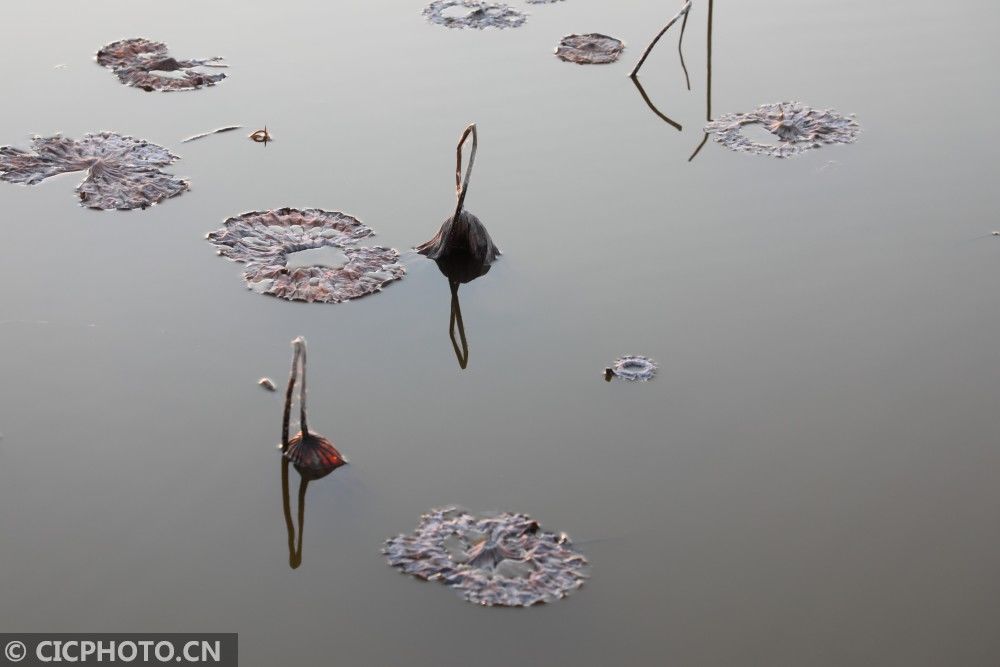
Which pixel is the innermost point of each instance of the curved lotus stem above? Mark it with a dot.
(649, 49)
(460, 187)
(300, 349)
(298, 359)
(289, 392)
(680, 50)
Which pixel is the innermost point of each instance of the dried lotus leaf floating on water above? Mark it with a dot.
(633, 368)
(473, 14)
(123, 173)
(148, 65)
(264, 240)
(590, 49)
(494, 560)
(796, 129)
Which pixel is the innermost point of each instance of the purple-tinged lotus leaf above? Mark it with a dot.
(148, 65)
(123, 173)
(634, 368)
(263, 240)
(590, 49)
(480, 15)
(796, 129)
(493, 560)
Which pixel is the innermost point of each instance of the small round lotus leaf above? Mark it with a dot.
(590, 49)
(480, 15)
(148, 65)
(634, 368)
(123, 173)
(263, 240)
(796, 129)
(499, 559)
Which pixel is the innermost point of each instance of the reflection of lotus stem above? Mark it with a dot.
(294, 550)
(456, 316)
(460, 187)
(683, 12)
(708, 82)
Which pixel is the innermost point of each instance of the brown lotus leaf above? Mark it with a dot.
(149, 66)
(499, 559)
(263, 240)
(480, 15)
(796, 129)
(123, 173)
(590, 49)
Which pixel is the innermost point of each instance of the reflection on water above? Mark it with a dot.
(685, 12)
(708, 80)
(294, 546)
(460, 268)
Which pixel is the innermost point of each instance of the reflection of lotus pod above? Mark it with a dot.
(797, 128)
(634, 368)
(502, 559)
(313, 455)
(591, 49)
(481, 14)
(123, 173)
(264, 239)
(145, 64)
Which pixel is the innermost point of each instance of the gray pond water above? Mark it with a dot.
(813, 478)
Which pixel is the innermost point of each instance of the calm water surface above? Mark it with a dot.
(812, 479)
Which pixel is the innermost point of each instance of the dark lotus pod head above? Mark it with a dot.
(313, 455)
(464, 235)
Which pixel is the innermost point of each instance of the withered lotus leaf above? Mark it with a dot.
(634, 368)
(123, 173)
(590, 49)
(494, 560)
(796, 129)
(263, 240)
(480, 15)
(149, 66)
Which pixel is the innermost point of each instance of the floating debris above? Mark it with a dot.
(261, 136)
(997, 233)
(797, 128)
(480, 15)
(633, 368)
(228, 128)
(590, 49)
(462, 234)
(123, 173)
(267, 383)
(148, 65)
(263, 240)
(312, 455)
(501, 559)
